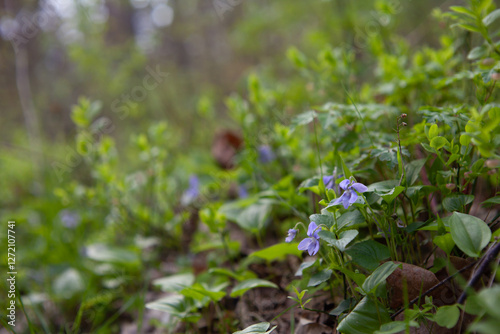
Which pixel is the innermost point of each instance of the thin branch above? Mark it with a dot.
(487, 258)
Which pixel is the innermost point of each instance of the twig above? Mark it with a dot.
(487, 258)
(416, 299)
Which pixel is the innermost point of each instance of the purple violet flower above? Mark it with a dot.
(291, 235)
(266, 154)
(329, 181)
(192, 192)
(69, 218)
(350, 195)
(242, 191)
(311, 244)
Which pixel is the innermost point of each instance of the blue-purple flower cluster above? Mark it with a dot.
(350, 195)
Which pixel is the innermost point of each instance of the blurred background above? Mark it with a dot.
(55, 51)
(174, 63)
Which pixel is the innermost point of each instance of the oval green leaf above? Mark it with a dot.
(470, 233)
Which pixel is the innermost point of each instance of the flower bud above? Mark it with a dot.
(467, 174)
(404, 115)
(495, 76)
(488, 62)
(450, 186)
(404, 124)
(492, 163)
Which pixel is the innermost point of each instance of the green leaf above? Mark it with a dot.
(433, 131)
(174, 283)
(478, 52)
(327, 236)
(349, 219)
(413, 170)
(322, 219)
(383, 186)
(477, 166)
(104, 253)
(366, 318)
(491, 17)
(69, 283)
(198, 292)
(229, 273)
(248, 284)
(396, 327)
(463, 10)
(357, 277)
(345, 169)
(445, 242)
(260, 328)
(310, 184)
(303, 119)
(470, 27)
(388, 190)
(344, 305)
(368, 254)
(438, 142)
(176, 305)
(491, 201)
(391, 195)
(303, 266)
(320, 277)
(249, 214)
(378, 276)
(447, 316)
(470, 233)
(465, 139)
(278, 252)
(457, 202)
(487, 300)
(345, 238)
